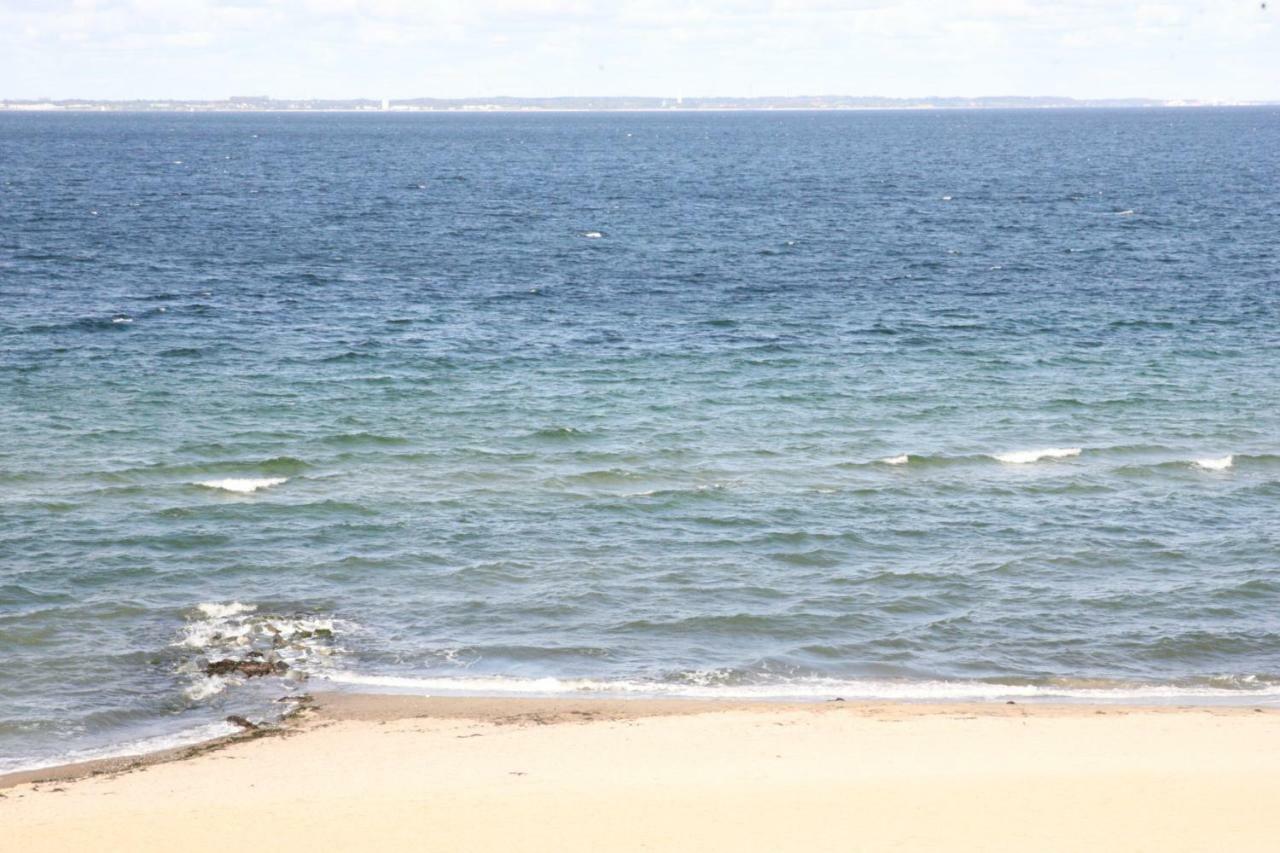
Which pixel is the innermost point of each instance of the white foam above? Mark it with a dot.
(213, 632)
(592, 235)
(896, 460)
(122, 319)
(1125, 213)
(1220, 464)
(214, 610)
(227, 627)
(206, 687)
(243, 485)
(239, 632)
(1022, 457)
(711, 685)
(141, 746)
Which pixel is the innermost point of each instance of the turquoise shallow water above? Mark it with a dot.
(620, 403)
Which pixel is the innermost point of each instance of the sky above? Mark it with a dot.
(212, 49)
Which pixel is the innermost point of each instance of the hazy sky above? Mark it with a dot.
(448, 48)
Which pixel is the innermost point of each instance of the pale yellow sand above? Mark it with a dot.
(375, 774)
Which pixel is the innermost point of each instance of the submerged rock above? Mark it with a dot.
(247, 668)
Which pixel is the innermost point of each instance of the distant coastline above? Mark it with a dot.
(593, 104)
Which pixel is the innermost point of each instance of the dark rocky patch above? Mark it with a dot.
(247, 668)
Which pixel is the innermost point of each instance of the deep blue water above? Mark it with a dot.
(619, 402)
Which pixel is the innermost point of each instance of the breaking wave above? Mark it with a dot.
(234, 642)
(1023, 457)
(1220, 463)
(137, 747)
(243, 485)
(712, 685)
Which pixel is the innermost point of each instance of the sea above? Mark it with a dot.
(921, 405)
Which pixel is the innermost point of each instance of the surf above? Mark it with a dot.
(243, 485)
(1026, 457)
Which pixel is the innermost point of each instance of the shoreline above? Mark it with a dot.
(385, 771)
(384, 707)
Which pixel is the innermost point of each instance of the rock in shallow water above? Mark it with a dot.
(247, 668)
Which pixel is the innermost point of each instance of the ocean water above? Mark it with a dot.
(900, 404)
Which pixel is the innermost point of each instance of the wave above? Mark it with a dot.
(223, 611)
(243, 485)
(140, 746)
(1023, 457)
(602, 477)
(363, 439)
(559, 433)
(212, 472)
(1220, 463)
(282, 465)
(916, 459)
(1014, 457)
(709, 686)
(1255, 458)
(701, 490)
(293, 645)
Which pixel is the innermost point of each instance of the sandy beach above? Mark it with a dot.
(395, 773)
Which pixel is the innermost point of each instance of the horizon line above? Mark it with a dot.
(261, 97)
(669, 103)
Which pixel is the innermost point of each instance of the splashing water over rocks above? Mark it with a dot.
(234, 642)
